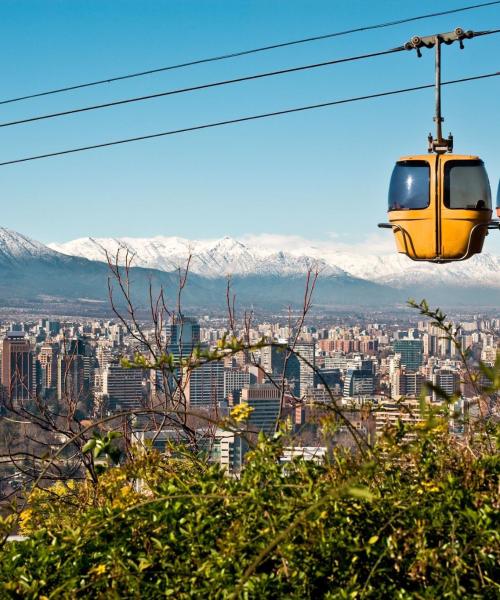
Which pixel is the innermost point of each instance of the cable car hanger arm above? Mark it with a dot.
(439, 145)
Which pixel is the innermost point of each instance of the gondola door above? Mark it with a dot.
(413, 206)
(464, 206)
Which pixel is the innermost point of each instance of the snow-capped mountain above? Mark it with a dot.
(16, 246)
(209, 258)
(75, 274)
(31, 274)
(216, 258)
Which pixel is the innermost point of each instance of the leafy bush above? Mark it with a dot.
(418, 520)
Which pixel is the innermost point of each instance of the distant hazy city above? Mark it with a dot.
(353, 362)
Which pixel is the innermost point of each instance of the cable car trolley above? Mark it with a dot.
(440, 203)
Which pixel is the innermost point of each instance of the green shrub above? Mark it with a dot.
(412, 521)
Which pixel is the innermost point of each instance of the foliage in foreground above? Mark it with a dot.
(416, 520)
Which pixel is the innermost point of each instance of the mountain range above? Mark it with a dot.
(75, 274)
(228, 256)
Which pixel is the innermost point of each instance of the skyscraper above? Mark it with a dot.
(273, 361)
(358, 382)
(329, 377)
(406, 383)
(123, 387)
(411, 352)
(235, 380)
(80, 346)
(48, 367)
(17, 367)
(447, 380)
(182, 337)
(306, 350)
(205, 385)
(265, 401)
(183, 334)
(71, 378)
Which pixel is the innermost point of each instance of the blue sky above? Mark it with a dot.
(312, 174)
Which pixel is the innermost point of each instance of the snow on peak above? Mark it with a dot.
(14, 245)
(211, 258)
(220, 257)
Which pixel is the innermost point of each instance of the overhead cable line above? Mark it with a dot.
(217, 84)
(202, 87)
(251, 51)
(244, 119)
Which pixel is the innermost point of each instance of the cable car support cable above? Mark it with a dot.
(248, 52)
(245, 119)
(224, 82)
(205, 86)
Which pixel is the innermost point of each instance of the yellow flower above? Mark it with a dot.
(99, 570)
(430, 486)
(25, 519)
(241, 412)
(126, 490)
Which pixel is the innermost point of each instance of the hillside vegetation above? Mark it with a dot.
(415, 516)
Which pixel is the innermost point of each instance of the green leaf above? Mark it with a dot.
(90, 445)
(362, 493)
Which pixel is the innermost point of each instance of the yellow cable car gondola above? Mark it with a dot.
(439, 206)
(439, 203)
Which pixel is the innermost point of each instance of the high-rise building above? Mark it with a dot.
(81, 346)
(235, 380)
(407, 383)
(104, 354)
(411, 352)
(228, 450)
(76, 368)
(204, 385)
(116, 334)
(272, 359)
(265, 400)
(329, 377)
(18, 382)
(430, 344)
(366, 364)
(123, 387)
(489, 355)
(183, 334)
(71, 378)
(275, 361)
(447, 380)
(444, 347)
(47, 359)
(358, 382)
(306, 350)
(54, 327)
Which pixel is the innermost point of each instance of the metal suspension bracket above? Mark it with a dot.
(439, 145)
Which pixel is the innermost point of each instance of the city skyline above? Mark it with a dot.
(359, 360)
